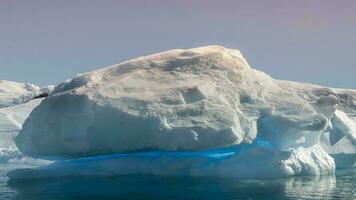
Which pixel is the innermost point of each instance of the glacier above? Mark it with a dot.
(197, 112)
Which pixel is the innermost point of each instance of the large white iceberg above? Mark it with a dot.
(193, 100)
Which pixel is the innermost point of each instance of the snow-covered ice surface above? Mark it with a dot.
(15, 106)
(11, 120)
(12, 93)
(181, 102)
(16, 103)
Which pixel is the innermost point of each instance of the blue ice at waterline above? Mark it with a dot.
(245, 161)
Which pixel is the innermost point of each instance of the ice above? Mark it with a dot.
(11, 120)
(190, 101)
(343, 127)
(246, 161)
(16, 103)
(12, 93)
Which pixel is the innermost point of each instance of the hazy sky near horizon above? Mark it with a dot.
(46, 42)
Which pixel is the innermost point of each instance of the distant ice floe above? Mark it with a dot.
(17, 100)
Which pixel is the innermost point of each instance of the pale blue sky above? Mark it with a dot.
(45, 42)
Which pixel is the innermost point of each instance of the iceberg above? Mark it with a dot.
(189, 101)
(17, 100)
(12, 93)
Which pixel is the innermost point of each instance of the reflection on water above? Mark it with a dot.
(307, 187)
(157, 187)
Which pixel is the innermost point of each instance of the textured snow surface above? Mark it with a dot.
(15, 93)
(15, 107)
(12, 117)
(11, 120)
(192, 100)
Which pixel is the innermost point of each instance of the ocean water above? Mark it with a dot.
(340, 186)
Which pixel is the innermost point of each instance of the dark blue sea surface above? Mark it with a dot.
(340, 186)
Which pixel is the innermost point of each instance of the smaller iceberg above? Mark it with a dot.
(17, 100)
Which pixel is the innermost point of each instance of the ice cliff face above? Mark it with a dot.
(192, 99)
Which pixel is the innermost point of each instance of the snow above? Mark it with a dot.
(15, 107)
(188, 101)
(14, 93)
(12, 117)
